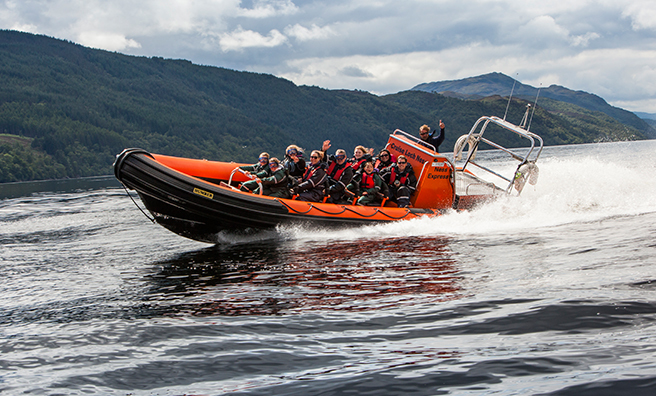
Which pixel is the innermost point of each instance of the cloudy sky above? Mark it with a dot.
(606, 47)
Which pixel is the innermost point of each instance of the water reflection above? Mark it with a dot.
(282, 277)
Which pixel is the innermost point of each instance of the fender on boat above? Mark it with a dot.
(460, 144)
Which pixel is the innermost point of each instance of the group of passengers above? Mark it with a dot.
(364, 179)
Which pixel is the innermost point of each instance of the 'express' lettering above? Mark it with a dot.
(436, 177)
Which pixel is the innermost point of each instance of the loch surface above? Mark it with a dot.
(549, 293)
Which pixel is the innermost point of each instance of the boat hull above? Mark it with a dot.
(197, 209)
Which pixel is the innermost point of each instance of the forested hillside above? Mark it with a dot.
(67, 110)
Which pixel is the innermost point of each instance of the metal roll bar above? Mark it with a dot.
(529, 157)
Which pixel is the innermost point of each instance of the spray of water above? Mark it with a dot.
(577, 184)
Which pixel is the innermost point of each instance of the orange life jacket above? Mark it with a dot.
(402, 180)
(367, 181)
(339, 172)
(311, 170)
(356, 165)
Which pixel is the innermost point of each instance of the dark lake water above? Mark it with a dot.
(551, 293)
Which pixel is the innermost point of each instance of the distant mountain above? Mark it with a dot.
(651, 122)
(502, 85)
(646, 116)
(67, 110)
(649, 118)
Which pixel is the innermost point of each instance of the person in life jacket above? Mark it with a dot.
(339, 172)
(293, 161)
(259, 170)
(360, 156)
(384, 159)
(402, 182)
(311, 185)
(430, 138)
(276, 184)
(367, 185)
(340, 175)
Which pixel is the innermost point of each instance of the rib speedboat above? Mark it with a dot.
(197, 198)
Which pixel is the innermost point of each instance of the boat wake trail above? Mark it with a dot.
(570, 190)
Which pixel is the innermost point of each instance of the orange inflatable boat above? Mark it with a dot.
(198, 198)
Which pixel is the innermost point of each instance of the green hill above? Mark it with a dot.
(67, 110)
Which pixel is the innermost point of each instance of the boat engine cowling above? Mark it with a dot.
(526, 172)
(460, 144)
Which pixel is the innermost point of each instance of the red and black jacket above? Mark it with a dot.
(406, 178)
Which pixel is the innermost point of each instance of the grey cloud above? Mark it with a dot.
(354, 71)
(383, 46)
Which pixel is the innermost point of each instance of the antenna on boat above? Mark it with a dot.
(534, 106)
(510, 97)
(522, 123)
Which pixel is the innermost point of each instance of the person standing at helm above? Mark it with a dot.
(430, 138)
